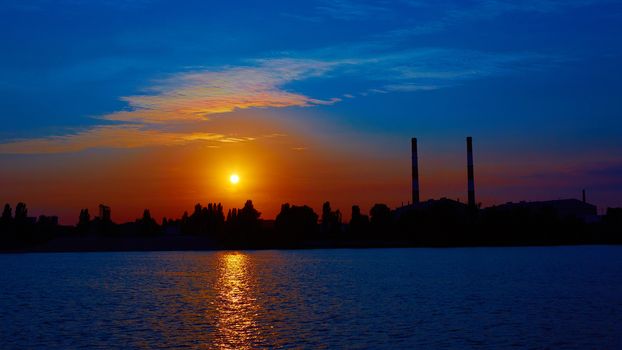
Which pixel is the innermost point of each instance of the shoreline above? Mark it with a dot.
(194, 243)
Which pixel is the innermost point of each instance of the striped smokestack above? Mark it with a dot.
(415, 171)
(470, 171)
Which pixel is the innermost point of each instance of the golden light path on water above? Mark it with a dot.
(237, 307)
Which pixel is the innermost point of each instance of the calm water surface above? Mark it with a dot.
(559, 297)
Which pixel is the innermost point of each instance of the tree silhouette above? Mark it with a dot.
(295, 223)
(84, 218)
(7, 213)
(147, 226)
(442, 222)
(359, 223)
(248, 215)
(331, 220)
(209, 220)
(243, 224)
(21, 212)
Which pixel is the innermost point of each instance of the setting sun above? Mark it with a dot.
(234, 178)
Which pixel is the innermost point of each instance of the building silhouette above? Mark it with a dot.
(471, 179)
(415, 170)
(104, 213)
(562, 208)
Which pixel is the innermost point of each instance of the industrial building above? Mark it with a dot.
(563, 208)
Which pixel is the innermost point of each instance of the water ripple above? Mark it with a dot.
(359, 299)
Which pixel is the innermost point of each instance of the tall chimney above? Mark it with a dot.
(415, 171)
(470, 171)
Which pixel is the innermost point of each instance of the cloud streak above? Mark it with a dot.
(110, 136)
(198, 94)
(455, 11)
(172, 109)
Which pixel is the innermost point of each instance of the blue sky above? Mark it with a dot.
(532, 81)
(66, 61)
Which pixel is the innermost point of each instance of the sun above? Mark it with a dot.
(234, 178)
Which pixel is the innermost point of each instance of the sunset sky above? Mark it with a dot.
(154, 104)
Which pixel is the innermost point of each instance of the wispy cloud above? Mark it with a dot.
(110, 136)
(173, 108)
(181, 103)
(198, 94)
(452, 12)
(435, 68)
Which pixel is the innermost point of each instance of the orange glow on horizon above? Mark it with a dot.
(281, 165)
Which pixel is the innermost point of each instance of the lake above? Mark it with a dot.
(539, 297)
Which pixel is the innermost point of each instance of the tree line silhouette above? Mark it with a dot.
(436, 223)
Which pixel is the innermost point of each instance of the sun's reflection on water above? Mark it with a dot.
(237, 308)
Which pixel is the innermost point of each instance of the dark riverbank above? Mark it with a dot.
(198, 243)
(441, 223)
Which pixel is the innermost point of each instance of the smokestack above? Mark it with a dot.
(583, 196)
(470, 171)
(415, 171)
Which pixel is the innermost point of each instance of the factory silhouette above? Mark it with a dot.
(432, 223)
(564, 208)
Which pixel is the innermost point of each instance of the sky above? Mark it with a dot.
(154, 104)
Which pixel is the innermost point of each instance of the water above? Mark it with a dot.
(558, 297)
